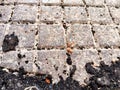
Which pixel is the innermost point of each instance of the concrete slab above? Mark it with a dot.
(24, 13)
(51, 36)
(106, 36)
(99, 15)
(81, 35)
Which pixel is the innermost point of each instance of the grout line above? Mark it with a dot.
(36, 40)
(93, 32)
(37, 22)
(86, 9)
(64, 24)
(89, 22)
(107, 8)
(59, 4)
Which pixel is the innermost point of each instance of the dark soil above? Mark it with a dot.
(10, 42)
(20, 56)
(0, 15)
(104, 78)
(9, 81)
(68, 60)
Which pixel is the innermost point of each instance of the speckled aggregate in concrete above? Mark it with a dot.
(44, 27)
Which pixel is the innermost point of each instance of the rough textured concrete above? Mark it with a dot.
(51, 36)
(81, 35)
(11, 60)
(25, 13)
(5, 12)
(80, 58)
(51, 13)
(46, 27)
(99, 15)
(51, 1)
(75, 14)
(106, 35)
(95, 2)
(115, 12)
(2, 34)
(113, 2)
(21, 1)
(25, 33)
(53, 62)
(73, 2)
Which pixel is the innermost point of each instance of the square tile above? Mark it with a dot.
(115, 12)
(95, 2)
(28, 1)
(73, 2)
(25, 33)
(99, 15)
(2, 34)
(75, 14)
(51, 13)
(81, 35)
(51, 36)
(25, 13)
(25, 62)
(8, 59)
(80, 58)
(51, 1)
(9, 1)
(106, 36)
(53, 62)
(113, 2)
(5, 13)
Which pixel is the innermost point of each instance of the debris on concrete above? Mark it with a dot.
(10, 42)
(59, 44)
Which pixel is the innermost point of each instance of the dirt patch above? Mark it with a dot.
(20, 56)
(0, 15)
(10, 42)
(68, 60)
(103, 78)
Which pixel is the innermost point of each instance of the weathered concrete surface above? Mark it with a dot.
(25, 33)
(106, 35)
(45, 27)
(73, 2)
(5, 12)
(24, 13)
(2, 34)
(51, 36)
(95, 2)
(99, 15)
(75, 14)
(51, 13)
(81, 35)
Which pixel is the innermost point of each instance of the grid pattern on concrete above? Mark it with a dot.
(44, 27)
